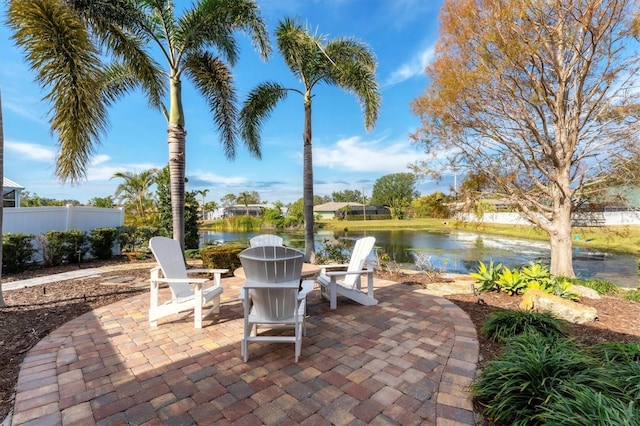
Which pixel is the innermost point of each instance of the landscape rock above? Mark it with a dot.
(568, 310)
(583, 291)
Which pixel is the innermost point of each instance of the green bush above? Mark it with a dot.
(64, 246)
(514, 387)
(333, 252)
(487, 276)
(102, 240)
(511, 282)
(222, 257)
(17, 252)
(500, 326)
(133, 238)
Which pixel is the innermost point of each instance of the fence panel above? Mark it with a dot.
(38, 220)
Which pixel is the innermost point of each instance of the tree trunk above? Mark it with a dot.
(307, 190)
(560, 229)
(2, 304)
(177, 139)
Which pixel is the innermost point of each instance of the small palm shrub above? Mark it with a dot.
(500, 326)
(514, 387)
(561, 287)
(487, 276)
(536, 272)
(511, 282)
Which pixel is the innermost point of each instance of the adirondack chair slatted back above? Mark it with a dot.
(273, 265)
(171, 262)
(266, 240)
(361, 250)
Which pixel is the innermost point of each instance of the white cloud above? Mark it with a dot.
(99, 159)
(413, 68)
(100, 170)
(216, 179)
(31, 151)
(355, 155)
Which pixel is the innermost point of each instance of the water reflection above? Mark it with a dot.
(460, 251)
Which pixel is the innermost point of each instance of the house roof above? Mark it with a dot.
(334, 206)
(9, 184)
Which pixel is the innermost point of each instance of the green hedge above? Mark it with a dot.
(17, 252)
(222, 257)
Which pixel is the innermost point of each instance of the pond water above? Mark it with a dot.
(459, 252)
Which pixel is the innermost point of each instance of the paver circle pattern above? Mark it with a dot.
(407, 360)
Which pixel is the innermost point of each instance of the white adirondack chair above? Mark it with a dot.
(348, 282)
(266, 240)
(275, 240)
(271, 295)
(171, 270)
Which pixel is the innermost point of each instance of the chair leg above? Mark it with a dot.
(333, 293)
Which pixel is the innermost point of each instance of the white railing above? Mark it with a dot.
(39, 220)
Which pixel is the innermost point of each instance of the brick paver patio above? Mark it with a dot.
(408, 360)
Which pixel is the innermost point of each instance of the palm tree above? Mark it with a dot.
(204, 193)
(245, 198)
(341, 62)
(68, 41)
(134, 191)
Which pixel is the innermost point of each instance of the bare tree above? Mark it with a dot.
(540, 97)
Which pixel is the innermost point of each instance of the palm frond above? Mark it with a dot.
(256, 108)
(361, 81)
(354, 70)
(124, 29)
(299, 50)
(214, 80)
(60, 50)
(211, 24)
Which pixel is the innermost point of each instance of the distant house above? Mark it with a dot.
(242, 210)
(11, 193)
(334, 209)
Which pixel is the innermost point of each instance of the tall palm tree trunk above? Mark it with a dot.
(177, 161)
(177, 137)
(307, 190)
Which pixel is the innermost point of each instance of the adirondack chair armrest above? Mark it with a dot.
(207, 271)
(342, 273)
(181, 280)
(334, 266)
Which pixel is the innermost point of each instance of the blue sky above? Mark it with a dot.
(402, 34)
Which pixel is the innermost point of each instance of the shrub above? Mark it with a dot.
(17, 252)
(222, 257)
(487, 276)
(102, 240)
(515, 386)
(64, 246)
(536, 272)
(511, 282)
(333, 251)
(500, 326)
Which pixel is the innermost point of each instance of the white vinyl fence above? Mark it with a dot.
(38, 220)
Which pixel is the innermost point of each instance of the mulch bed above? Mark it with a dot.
(32, 313)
